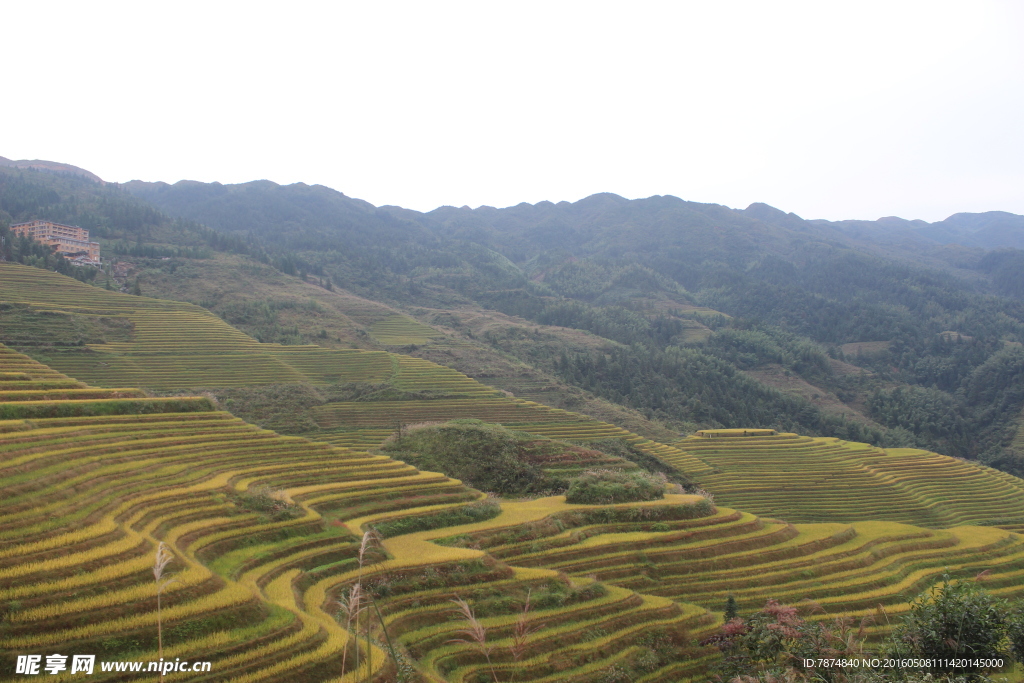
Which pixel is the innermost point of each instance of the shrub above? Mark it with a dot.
(603, 487)
(267, 502)
(97, 407)
(1017, 630)
(621, 448)
(466, 514)
(485, 456)
(775, 643)
(954, 620)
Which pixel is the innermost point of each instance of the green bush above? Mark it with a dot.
(620, 448)
(128, 406)
(267, 502)
(485, 456)
(955, 620)
(466, 514)
(603, 487)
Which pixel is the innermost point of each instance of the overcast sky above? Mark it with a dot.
(828, 109)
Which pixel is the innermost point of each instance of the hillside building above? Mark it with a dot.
(73, 242)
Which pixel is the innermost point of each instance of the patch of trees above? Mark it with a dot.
(485, 456)
(618, 323)
(974, 421)
(124, 248)
(609, 487)
(794, 290)
(957, 630)
(1006, 268)
(21, 249)
(679, 384)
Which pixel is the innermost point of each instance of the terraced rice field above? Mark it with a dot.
(357, 439)
(418, 375)
(87, 499)
(30, 387)
(366, 424)
(805, 479)
(23, 377)
(845, 568)
(401, 330)
(593, 629)
(175, 345)
(93, 478)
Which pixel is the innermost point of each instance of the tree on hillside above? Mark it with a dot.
(955, 621)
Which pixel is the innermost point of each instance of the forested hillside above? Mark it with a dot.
(698, 315)
(281, 558)
(602, 349)
(652, 275)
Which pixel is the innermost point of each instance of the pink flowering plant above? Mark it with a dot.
(773, 644)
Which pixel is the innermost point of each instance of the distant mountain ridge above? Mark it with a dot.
(560, 224)
(281, 212)
(693, 315)
(51, 166)
(987, 230)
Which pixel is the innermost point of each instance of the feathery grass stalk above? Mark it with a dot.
(371, 539)
(521, 633)
(475, 634)
(523, 630)
(160, 562)
(351, 606)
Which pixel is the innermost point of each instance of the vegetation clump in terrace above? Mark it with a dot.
(267, 502)
(605, 487)
(956, 632)
(959, 628)
(465, 514)
(485, 456)
(621, 448)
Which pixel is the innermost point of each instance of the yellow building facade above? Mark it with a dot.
(71, 241)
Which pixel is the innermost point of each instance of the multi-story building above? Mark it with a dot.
(73, 242)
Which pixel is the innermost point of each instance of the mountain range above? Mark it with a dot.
(670, 314)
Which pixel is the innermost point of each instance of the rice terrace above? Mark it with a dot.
(317, 557)
(664, 342)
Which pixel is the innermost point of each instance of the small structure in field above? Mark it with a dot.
(719, 433)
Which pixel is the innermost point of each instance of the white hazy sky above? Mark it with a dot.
(828, 109)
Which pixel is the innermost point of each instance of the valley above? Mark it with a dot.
(835, 421)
